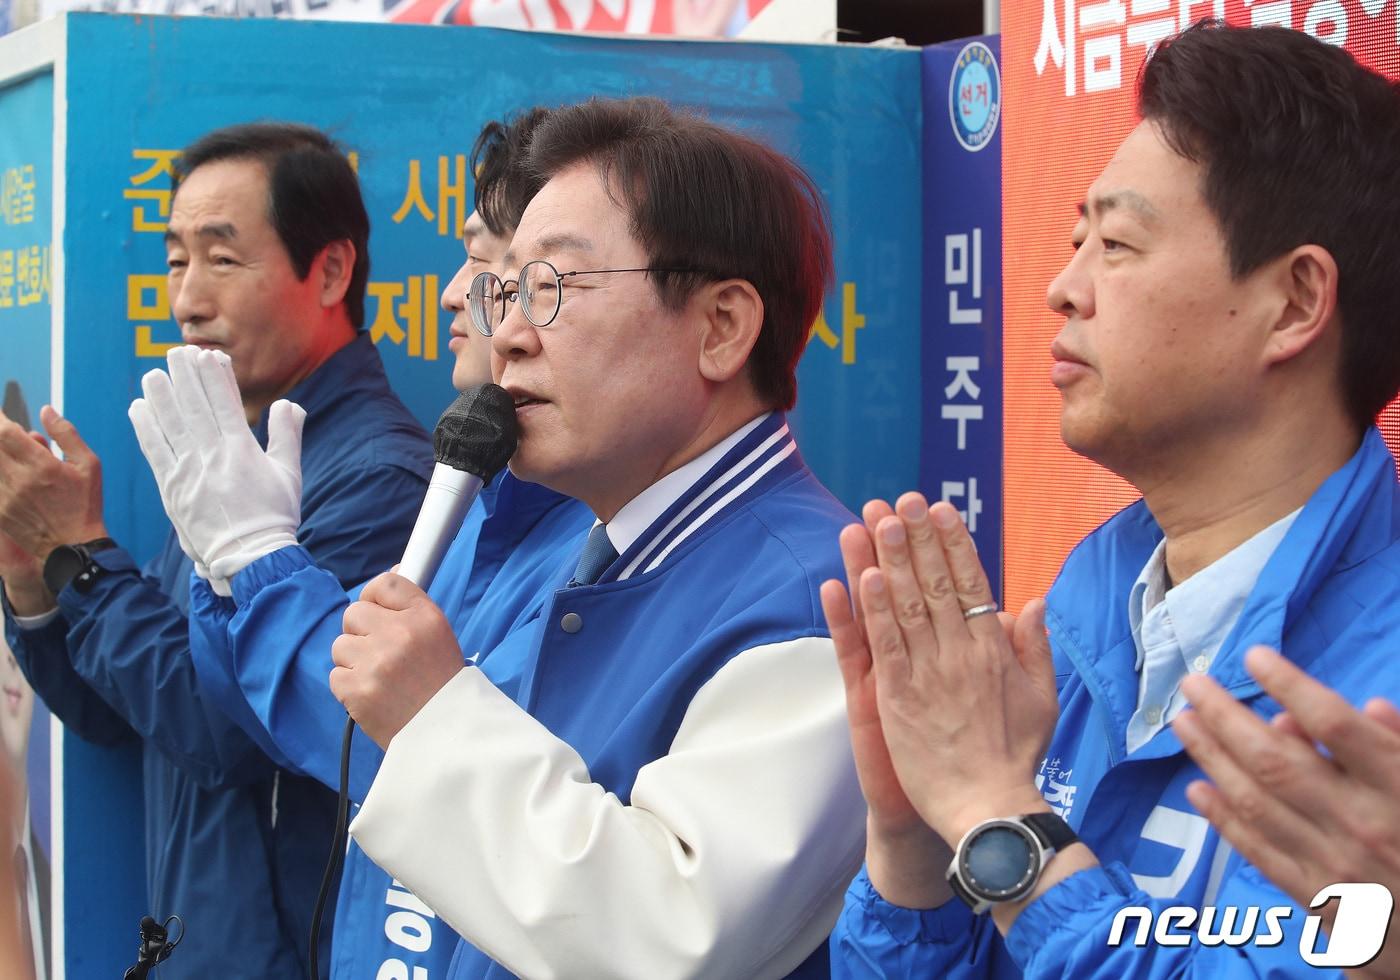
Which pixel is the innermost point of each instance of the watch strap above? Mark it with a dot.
(1052, 830)
(960, 890)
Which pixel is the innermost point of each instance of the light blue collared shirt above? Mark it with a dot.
(1178, 630)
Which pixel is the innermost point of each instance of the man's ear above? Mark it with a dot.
(733, 317)
(335, 267)
(1307, 278)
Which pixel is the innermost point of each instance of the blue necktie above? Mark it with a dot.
(598, 554)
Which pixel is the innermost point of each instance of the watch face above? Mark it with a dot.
(1000, 861)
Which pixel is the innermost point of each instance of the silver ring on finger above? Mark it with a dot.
(990, 607)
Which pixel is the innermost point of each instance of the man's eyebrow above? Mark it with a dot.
(1131, 200)
(565, 242)
(222, 230)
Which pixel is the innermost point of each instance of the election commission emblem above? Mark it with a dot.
(974, 96)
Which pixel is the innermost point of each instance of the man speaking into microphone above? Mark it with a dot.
(665, 788)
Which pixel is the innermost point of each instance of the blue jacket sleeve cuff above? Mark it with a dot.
(208, 605)
(1064, 907)
(950, 921)
(74, 603)
(269, 570)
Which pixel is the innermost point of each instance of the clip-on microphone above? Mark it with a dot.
(155, 947)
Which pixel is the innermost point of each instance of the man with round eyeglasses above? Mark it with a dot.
(648, 773)
(668, 789)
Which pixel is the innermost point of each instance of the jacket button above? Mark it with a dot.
(571, 623)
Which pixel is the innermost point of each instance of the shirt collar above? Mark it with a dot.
(641, 511)
(1147, 592)
(1205, 607)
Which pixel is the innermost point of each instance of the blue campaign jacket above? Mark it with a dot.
(1329, 598)
(734, 564)
(265, 656)
(233, 846)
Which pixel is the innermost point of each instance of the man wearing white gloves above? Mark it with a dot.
(664, 787)
(268, 265)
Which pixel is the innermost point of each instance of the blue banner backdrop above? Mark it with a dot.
(409, 101)
(961, 455)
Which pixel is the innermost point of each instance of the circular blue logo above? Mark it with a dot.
(974, 96)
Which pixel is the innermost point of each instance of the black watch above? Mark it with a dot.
(1001, 860)
(73, 564)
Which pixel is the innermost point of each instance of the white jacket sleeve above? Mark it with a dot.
(731, 860)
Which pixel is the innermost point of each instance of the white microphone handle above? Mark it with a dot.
(450, 493)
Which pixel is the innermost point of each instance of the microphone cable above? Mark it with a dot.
(338, 845)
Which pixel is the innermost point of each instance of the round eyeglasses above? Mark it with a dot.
(539, 289)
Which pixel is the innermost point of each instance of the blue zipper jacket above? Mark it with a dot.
(1329, 599)
(265, 656)
(232, 845)
(677, 796)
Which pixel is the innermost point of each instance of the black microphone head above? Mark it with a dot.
(478, 432)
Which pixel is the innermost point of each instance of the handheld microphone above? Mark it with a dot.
(473, 441)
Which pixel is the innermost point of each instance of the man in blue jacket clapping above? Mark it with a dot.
(1229, 339)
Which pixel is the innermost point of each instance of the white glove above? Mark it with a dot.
(144, 427)
(219, 585)
(231, 503)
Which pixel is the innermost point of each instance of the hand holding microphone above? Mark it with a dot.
(230, 501)
(398, 650)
